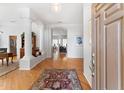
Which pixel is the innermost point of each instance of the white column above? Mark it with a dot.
(28, 42)
(41, 38)
(18, 46)
(26, 60)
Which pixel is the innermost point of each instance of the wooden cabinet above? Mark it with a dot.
(34, 48)
(13, 45)
(33, 42)
(21, 52)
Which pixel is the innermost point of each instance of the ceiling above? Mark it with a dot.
(68, 13)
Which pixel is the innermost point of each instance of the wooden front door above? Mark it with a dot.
(107, 46)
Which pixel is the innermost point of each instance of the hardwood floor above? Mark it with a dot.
(23, 80)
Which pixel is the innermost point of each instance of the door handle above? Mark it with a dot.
(93, 63)
(92, 71)
(92, 66)
(93, 74)
(92, 59)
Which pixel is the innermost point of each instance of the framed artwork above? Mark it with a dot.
(79, 40)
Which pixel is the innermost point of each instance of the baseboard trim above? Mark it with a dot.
(88, 81)
(75, 58)
(38, 62)
(24, 69)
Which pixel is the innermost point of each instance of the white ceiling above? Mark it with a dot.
(69, 13)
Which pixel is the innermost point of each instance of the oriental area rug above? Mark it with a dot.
(57, 79)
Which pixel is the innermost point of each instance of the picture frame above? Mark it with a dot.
(79, 40)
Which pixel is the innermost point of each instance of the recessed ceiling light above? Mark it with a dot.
(56, 7)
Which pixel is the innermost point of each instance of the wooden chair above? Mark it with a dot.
(4, 56)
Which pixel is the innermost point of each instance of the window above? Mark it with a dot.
(64, 42)
(55, 41)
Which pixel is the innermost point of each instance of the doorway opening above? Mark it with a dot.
(59, 42)
(13, 47)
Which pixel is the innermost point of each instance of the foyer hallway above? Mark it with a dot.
(23, 80)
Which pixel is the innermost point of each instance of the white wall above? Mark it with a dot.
(87, 40)
(59, 36)
(12, 23)
(43, 34)
(47, 41)
(74, 50)
(38, 28)
(73, 30)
